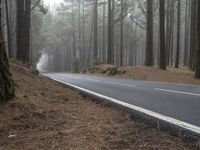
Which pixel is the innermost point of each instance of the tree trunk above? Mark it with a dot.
(103, 36)
(23, 29)
(193, 35)
(162, 63)
(186, 40)
(79, 31)
(6, 83)
(111, 25)
(178, 35)
(149, 61)
(83, 35)
(121, 35)
(73, 33)
(197, 70)
(95, 54)
(8, 29)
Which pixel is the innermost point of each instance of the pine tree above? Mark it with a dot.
(197, 72)
(162, 64)
(6, 82)
(149, 35)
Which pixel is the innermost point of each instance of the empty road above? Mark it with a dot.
(178, 101)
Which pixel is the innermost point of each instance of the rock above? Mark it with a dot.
(35, 72)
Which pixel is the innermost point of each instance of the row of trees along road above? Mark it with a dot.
(83, 33)
(17, 34)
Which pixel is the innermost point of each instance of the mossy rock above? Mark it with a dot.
(111, 71)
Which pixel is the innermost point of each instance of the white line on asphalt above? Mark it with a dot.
(110, 82)
(179, 92)
(170, 120)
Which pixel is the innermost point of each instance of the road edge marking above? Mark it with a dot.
(176, 122)
(179, 92)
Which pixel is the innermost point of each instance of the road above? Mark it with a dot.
(178, 101)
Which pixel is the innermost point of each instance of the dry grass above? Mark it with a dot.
(45, 115)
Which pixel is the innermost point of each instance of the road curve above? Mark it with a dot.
(178, 101)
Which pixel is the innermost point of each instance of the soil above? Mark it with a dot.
(171, 75)
(46, 115)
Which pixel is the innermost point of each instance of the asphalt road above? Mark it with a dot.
(178, 101)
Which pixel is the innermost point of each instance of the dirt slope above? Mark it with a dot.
(171, 75)
(45, 115)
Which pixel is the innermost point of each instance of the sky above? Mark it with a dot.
(52, 2)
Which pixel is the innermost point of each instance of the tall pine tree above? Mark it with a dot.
(6, 82)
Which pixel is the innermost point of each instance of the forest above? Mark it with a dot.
(80, 34)
(100, 74)
(76, 34)
(84, 33)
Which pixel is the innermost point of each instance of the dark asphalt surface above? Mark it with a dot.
(178, 101)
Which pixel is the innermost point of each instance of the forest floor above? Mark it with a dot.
(171, 75)
(46, 115)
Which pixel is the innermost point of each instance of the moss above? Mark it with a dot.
(112, 71)
(7, 90)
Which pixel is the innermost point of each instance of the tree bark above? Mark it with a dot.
(121, 35)
(73, 32)
(149, 61)
(111, 25)
(103, 36)
(23, 29)
(178, 35)
(8, 29)
(197, 70)
(95, 54)
(162, 62)
(193, 35)
(6, 83)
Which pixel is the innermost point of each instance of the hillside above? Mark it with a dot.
(171, 75)
(46, 115)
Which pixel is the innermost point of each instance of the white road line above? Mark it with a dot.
(131, 85)
(179, 92)
(170, 120)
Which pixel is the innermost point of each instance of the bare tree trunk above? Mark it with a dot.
(103, 36)
(95, 49)
(197, 69)
(187, 25)
(73, 32)
(111, 25)
(193, 35)
(83, 35)
(162, 64)
(79, 31)
(149, 61)
(172, 32)
(6, 83)
(8, 29)
(178, 35)
(121, 34)
(23, 29)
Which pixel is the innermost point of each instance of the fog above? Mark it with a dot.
(68, 31)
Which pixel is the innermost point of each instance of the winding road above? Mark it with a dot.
(177, 101)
